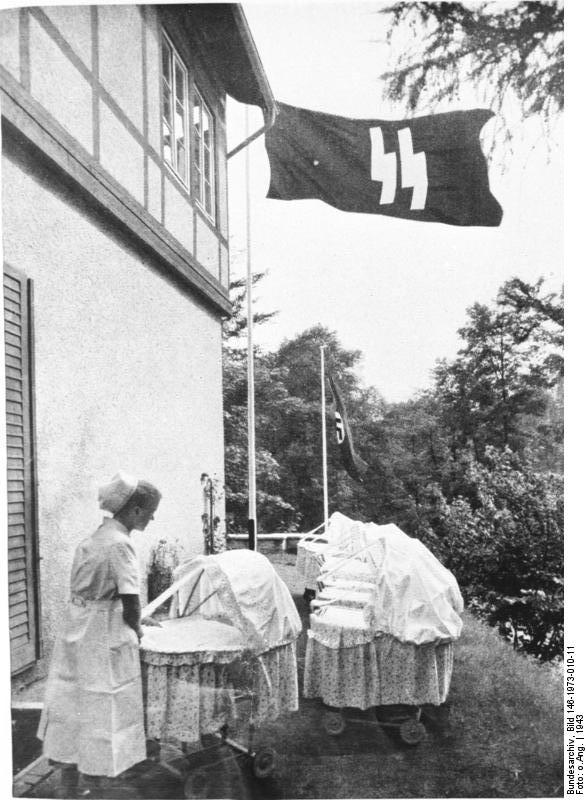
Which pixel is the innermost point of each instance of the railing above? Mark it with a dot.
(266, 537)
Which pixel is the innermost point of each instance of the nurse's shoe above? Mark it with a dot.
(69, 782)
(92, 787)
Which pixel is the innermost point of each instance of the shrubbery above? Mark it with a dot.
(505, 545)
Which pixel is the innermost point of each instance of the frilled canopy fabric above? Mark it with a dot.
(191, 641)
(239, 587)
(415, 598)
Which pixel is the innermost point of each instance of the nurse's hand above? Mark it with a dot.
(151, 621)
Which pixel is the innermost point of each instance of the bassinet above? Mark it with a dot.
(230, 637)
(313, 547)
(382, 627)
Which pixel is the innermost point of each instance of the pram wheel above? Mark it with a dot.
(196, 784)
(334, 723)
(309, 595)
(264, 762)
(153, 749)
(412, 732)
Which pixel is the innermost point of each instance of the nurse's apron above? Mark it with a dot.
(93, 713)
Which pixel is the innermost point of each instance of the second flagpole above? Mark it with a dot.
(250, 365)
(324, 445)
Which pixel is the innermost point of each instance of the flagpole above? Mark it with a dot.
(250, 365)
(324, 446)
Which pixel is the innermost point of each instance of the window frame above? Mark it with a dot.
(176, 60)
(199, 144)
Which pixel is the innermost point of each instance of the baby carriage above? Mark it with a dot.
(223, 661)
(313, 546)
(382, 629)
(308, 563)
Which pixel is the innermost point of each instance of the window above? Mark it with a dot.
(175, 112)
(175, 126)
(203, 156)
(22, 580)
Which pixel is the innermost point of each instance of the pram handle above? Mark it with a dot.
(347, 560)
(312, 533)
(158, 601)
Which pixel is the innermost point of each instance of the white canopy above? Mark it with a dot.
(416, 600)
(241, 588)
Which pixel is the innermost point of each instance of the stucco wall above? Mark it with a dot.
(128, 375)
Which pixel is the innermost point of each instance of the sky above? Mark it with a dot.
(397, 290)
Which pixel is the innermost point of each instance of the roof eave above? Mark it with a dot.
(255, 61)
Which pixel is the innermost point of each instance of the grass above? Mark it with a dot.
(505, 732)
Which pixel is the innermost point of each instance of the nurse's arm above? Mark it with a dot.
(131, 612)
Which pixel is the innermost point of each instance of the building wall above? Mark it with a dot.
(128, 372)
(96, 71)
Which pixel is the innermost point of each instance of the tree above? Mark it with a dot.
(543, 315)
(527, 298)
(498, 390)
(297, 444)
(505, 53)
(236, 324)
(507, 551)
(415, 455)
(273, 511)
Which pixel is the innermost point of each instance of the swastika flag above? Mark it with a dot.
(430, 169)
(355, 466)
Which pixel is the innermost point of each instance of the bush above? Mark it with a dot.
(164, 557)
(507, 553)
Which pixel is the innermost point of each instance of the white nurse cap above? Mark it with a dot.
(112, 496)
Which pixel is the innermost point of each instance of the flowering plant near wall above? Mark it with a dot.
(214, 536)
(164, 558)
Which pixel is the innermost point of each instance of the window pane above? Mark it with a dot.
(197, 159)
(179, 83)
(166, 105)
(167, 146)
(207, 125)
(197, 113)
(179, 121)
(203, 157)
(197, 183)
(181, 161)
(197, 120)
(166, 62)
(174, 111)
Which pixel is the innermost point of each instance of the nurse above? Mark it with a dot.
(92, 720)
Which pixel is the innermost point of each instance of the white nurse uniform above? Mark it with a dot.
(93, 712)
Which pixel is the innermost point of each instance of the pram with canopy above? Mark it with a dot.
(308, 563)
(382, 627)
(334, 540)
(224, 659)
